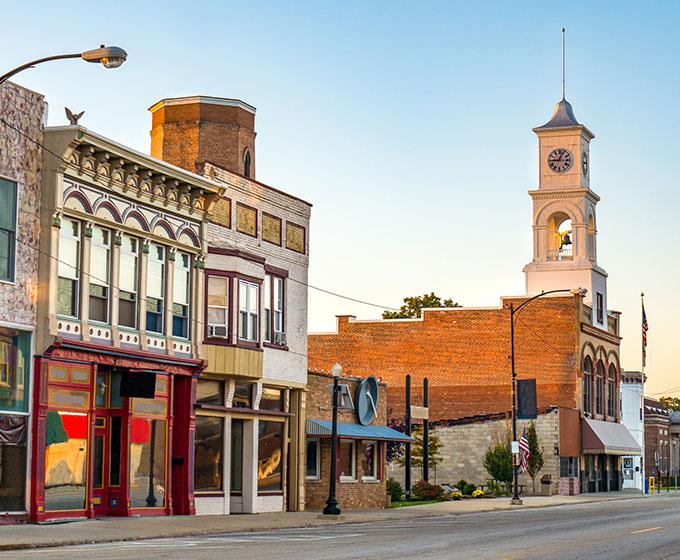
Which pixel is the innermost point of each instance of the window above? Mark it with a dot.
(8, 224)
(587, 384)
(128, 282)
(271, 229)
(271, 399)
(100, 264)
(347, 459)
(314, 458)
(295, 237)
(210, 392)
(600, 308)
(155, 288)
(208, 453)
(249, 295)
(246, 219)
(611, 391)
(246, 163)
(599, 388)
(181, 295)
(243, 395)
(273, 309)
(15, 347)
(369, 460)
(147, 473)
(569, 467)
(269, 455)
(68, 268)
(236, 483)
(218, 306)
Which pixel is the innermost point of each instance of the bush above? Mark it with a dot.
(456, 496)
(394, 489)
(426, 491)
(466, 488)
(497, 488)
(478, 494)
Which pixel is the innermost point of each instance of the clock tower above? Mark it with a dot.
(564, 217)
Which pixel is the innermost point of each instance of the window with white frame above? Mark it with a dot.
(218, 306)
(347, 459)
(249, 296)
(273, 309)
(128, 282)
(68, 268)
(155, 288)
(314, 458)
(8, 224)
(369, 460)
(100, 264)
(181, 294)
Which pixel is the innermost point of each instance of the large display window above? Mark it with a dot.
(208, 447)
(270, 455)
(12, 462)
(147, 462)
(15, 348)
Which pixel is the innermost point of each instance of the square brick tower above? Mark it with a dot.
(189, 131)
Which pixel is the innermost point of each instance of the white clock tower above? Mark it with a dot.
(564, 222)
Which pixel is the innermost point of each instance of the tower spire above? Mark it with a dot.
(563, 63)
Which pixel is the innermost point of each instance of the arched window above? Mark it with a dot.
(246, 163)
(591, 238)
(561, 234)
(599, 388)
(587, 384)
(611, 391)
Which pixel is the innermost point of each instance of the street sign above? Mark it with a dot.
(420, 412)
(514, 445)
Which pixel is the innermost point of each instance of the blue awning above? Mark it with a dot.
(355, 431)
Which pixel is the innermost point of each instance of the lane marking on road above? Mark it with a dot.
(646, 530)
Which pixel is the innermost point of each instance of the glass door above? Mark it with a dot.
(101, 462)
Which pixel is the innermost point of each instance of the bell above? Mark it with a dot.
(565, 240)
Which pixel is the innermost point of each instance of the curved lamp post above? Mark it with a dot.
(332, 503)
(110, 57)
(514, 311)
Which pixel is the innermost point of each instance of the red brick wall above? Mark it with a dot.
(465, 355)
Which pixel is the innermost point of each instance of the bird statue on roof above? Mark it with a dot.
(73, 119)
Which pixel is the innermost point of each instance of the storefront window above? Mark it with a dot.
(270, 455)
(271, 399)
(347, 459)
(66, 460)
(147, 463)
(14, 363)
(369, 461)
(208, 453)
(210, 392)
(313, 457)
(243, 396)
(12, 462)
(569, 467)
(236, 483)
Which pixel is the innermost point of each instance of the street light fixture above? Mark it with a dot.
(110, 57)
(332, 504)
(577, 292)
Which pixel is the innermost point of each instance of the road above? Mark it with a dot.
(618, 530)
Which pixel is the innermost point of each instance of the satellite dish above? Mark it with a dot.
(366, 400)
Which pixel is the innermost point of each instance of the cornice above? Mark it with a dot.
(589, 329)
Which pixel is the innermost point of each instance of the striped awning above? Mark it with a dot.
(355, 431)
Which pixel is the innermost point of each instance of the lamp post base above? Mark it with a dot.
(331, 507)
(516, 502)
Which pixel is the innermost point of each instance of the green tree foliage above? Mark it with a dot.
(413, 305)
(434, 447)
(394, 489)
(535, 463)
(498, 462)
(671, 403)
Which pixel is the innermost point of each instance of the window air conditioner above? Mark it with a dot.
(279, 338)
(217, 331)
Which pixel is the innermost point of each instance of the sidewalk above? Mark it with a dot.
(111, 529)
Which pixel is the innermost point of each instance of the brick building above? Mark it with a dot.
(657, 439)
(361, 452)
(568, 342)
(20, 172)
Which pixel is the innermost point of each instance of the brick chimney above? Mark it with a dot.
(188, 131)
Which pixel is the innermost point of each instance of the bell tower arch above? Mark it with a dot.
(564, 214)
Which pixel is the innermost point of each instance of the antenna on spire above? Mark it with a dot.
(563, 63)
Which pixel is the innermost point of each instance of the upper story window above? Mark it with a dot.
(249, 299)
(68, 268)
(611, 391)
(218, 306)
(155, 288)
(600, 308)
(247, 160)
(180, 298)
(100, 264)
(128, 282)
(273, 309)
(8, 225)
(587, 384)
(599, 389)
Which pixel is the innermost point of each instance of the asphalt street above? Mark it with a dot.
(619, 530)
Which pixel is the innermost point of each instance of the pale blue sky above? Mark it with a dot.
(408, 126)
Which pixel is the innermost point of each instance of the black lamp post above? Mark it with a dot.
(332, 503)
(110, 57)
(513, 311)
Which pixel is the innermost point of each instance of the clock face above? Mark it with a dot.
(560, 160)
(584, 163)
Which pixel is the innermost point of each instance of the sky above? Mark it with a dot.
(408, 126)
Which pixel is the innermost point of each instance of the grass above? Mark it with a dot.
(407, 503)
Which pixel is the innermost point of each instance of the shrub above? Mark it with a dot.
(456, 496)
(426, 491)
(394, 489)
(478, 494)
(497, 488)
(469, 489)
(461, 484)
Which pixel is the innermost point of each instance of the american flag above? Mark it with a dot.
(645, 328)
(524, 448)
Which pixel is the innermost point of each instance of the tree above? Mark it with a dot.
(433, 448)
(671, 403)
(535, 463)
(413, 305)
(498, 462)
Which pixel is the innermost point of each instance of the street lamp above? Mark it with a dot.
(577, 292)
(331, 503)
(110, 57)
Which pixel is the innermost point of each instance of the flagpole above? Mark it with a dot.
(642, 334)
